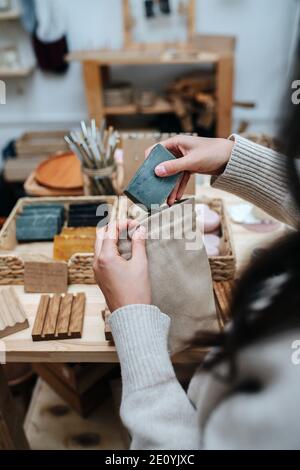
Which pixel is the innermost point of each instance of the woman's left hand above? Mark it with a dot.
(122, 282)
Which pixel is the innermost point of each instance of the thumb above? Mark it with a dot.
(172, 167)
(139, 243)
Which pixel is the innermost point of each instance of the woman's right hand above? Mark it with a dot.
(194, 155)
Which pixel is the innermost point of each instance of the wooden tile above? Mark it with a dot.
(63, 322)
(223, 295)
(12, 314)
(59, 317)
(44, 277)
(40, 318)
(52, 316)
(77, 317)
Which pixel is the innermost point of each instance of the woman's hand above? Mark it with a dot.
(194, 155)
(122, 282)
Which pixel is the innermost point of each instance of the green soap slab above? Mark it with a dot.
(37, 227)
(40, 211)
(145, 187)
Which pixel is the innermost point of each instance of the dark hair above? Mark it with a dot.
(267, 297)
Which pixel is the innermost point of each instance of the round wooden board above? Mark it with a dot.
(62, 171)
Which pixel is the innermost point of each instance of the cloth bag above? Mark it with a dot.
(180, 275)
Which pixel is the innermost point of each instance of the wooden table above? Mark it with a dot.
(96, 68)
(93, 347)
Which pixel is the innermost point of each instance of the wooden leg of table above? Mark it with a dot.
(225, 82)
(12, 436)
(93, 82)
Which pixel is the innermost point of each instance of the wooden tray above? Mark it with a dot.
(13, 255)
(41, 143)
(61, 171)
(33, 188)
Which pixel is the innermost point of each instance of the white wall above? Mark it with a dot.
(264, 30)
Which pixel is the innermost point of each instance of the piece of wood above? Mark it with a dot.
(77, 316)
(40, 318)
(12, 436)
(61, 171)
(63, 321)
(45, 277)
(12, 314)
(93, 82)
(107, 329)
(224, 91)
(51, 320)
(33, 188)
(61, 317)
(223, 295)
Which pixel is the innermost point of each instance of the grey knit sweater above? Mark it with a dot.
(213, 414)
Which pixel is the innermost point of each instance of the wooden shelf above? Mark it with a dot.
(10, 15)
(161, 106)
(16, 73)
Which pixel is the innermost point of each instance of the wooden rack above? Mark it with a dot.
(205, 50)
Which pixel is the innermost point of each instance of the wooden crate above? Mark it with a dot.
(41, 143)
(13, 255)
(222, 266)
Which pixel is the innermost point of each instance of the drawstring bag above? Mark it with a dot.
(180, 276)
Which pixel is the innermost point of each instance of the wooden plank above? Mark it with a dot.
(224, 89)
(63, 322)
(12, 314)
(40, 318)
(52, 317)
(77, 316)
(45, 277)
(107, 330)
(94, 90)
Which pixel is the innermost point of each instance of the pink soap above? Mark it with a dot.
(208, 218)
(212, 245)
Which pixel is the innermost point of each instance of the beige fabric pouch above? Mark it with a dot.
(179, 270)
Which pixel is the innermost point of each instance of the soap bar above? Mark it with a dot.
(65, 246)
(37, 227)
(55, 211)
(145, 187)
(84, 215)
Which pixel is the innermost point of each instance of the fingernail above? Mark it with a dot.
(140, 232)
(161, 170)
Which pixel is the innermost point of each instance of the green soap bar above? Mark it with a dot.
(37, 227)
(145, 187)
(40, 210)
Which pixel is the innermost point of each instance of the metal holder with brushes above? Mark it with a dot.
(95, 148)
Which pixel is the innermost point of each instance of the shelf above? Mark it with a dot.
(16, 73)
(161, 106)
(10, 15)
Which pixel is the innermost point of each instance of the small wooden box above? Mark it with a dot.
(13, 254)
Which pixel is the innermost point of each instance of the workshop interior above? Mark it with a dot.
(149, 225)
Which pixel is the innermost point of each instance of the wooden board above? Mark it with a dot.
(33, 188)
(12, 314)
(61, 171)
(45, 277)
(59, 317)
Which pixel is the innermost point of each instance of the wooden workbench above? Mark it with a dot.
(93, 347)
(96, 67)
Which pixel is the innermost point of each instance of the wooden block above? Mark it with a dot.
(40, 318)
(59, 317)
(45, 277)
(63, 321)
(223, 295)
(52, 317)
(107, 330)
(77, 316)
(12, 314)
